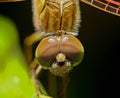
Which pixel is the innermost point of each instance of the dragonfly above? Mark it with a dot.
(56, 25)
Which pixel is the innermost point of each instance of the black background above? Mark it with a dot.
(97, 75)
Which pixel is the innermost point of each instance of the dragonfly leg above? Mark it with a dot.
(63, 91)
(37, 68)
(28, 43)
(36, 83)
(33, 64)
(52, 85)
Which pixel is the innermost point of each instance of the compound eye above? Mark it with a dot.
(72, 48)
(46, 51)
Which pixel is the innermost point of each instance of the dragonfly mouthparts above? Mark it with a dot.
(61, 63)
(61, 68)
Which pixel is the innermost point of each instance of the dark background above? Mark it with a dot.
(97, 75)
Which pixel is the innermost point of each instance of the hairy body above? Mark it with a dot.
(52, 15)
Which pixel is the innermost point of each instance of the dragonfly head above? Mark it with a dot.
(61, 66)
(59, 54)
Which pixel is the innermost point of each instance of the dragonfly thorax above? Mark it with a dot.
(53, 15)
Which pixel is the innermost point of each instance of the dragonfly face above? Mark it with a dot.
(59, 54)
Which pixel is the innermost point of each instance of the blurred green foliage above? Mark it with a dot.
(15, 81)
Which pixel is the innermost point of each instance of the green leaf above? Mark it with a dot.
(15, 81)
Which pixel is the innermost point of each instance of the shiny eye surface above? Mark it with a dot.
(72, 48)
(47, 50)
